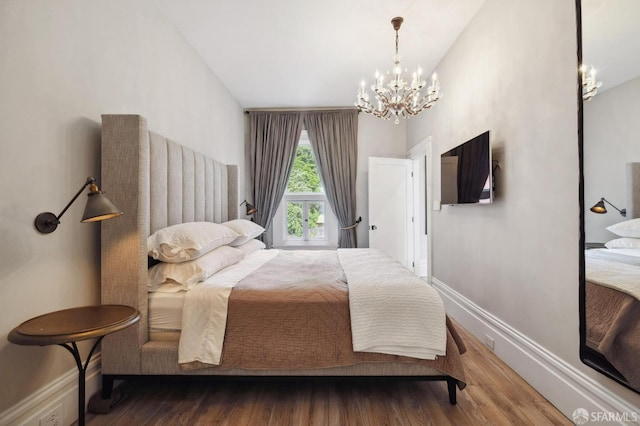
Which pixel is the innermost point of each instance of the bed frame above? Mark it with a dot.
(157, 183)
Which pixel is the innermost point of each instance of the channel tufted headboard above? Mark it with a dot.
(156, 182)
(632, 172)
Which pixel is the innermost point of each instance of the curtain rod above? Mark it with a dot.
(248, 110)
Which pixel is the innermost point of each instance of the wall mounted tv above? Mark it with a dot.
(466, 173)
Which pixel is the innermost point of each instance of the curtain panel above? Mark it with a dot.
(334, 138)
(273, 140)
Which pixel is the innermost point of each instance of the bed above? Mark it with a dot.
(612, 292)
(159, 183)
(612, 302)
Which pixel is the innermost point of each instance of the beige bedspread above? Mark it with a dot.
(613, 328)
(301, 320)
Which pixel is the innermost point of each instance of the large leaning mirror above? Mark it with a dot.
(610, 279)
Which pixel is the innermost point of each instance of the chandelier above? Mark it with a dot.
(590, 85)
(398, 97)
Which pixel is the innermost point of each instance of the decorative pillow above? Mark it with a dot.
(251, 246)
(247, 230)
(623, 243)
(173, 277)
(628, 228)
(188, 241)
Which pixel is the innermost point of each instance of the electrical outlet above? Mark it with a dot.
(53, 417)
(489, 342)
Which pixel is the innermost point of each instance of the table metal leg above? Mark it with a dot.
(82, 370)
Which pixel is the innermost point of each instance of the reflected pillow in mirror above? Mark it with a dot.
(623, 243)
(628, 228)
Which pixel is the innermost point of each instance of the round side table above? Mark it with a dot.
(66, 327)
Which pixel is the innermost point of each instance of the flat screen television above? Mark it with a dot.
(466, 173)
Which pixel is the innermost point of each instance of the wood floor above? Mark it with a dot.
(494, 395)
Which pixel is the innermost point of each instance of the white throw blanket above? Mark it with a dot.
(615, 275)
(204, 313)
(392, 310)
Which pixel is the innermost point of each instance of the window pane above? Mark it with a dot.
(316, 220)
(304, 173)
(294, 220)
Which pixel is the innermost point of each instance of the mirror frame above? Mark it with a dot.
(588, 356)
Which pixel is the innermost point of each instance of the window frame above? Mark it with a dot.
(280, 235)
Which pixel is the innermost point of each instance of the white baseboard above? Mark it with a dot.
(422, 269)
(62, 391)
(566, 387)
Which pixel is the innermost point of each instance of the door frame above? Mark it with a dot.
(423, 151)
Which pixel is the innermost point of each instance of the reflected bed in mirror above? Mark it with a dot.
(610, 163)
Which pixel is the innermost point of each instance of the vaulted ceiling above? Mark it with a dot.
(611, 39)
(314, 53)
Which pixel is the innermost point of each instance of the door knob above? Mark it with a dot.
(373, 227)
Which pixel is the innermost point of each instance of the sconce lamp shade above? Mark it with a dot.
(98, 208)
(251, 209)
(600, 208)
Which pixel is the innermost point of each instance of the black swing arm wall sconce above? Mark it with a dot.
(600, 208)
(250, 208)
(98, 208)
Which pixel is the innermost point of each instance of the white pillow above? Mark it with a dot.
(623, 243)
(173, 277)
(247, 230)
(188, 241)
(251, 246)
(628, 228)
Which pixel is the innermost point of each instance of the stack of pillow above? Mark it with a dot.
(629, 233)
(191, 252)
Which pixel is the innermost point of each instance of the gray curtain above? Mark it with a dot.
(334, 138)
(273, 140)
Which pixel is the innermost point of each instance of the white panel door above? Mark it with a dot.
(391, 208)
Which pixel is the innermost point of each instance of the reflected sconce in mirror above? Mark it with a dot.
(98, 208)
(251, 209)
(600, 208)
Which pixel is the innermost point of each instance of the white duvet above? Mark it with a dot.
(392, 310)
(615, 275)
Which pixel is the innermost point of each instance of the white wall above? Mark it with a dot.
(513, 72)
(611, 129)
(63, 64)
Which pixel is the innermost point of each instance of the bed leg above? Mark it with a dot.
(107, 386)
(103, 401)
(451, 386)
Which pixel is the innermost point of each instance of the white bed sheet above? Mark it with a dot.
(165, 309)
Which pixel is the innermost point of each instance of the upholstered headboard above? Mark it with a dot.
(633, 190)
(156, 183)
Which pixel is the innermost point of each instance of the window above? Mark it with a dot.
(304, 217)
